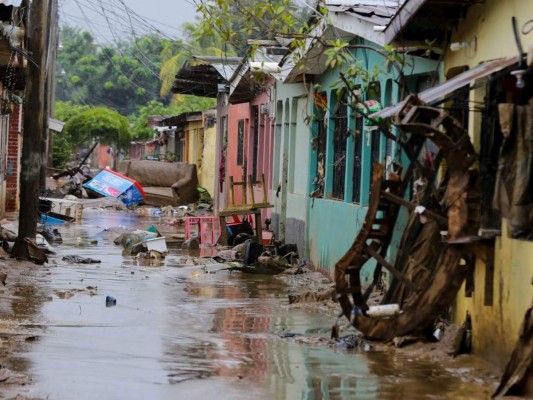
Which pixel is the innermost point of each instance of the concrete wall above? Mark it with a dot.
(490, 23)
(334, 223)
(291, 141)
(237, 169)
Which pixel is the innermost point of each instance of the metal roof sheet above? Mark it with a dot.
(441, 90)
(377, 12)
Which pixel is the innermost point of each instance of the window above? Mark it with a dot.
(357, 159)
(319, 141)
(240, 142)
(339, 148)
(255, 111)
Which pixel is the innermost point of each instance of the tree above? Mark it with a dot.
(62, 143)
(120, 76)
(99, 124)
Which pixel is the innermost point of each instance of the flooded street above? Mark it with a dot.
(177, 331)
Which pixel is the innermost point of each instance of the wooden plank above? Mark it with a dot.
(231, 192)
(400, 276)
(251, 186)
(263, 187)
(243, 209)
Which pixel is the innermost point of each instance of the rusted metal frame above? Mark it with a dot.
(401, 191)
(396, 199)
(450, 260)
(435, 297)
(410, 234)
(399, 275)
(357, 248)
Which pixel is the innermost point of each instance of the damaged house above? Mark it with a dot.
(413, 185)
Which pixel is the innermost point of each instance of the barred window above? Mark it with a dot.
(339, 148)
(240, 142)
(358, 159)
(319, 141)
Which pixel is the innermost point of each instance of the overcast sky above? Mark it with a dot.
(140, 16)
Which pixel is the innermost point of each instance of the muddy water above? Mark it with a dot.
(178, 332)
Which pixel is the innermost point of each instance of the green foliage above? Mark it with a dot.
(183, 104)
(62, 150)
(101, 124)
(121, 77)
(236, 21)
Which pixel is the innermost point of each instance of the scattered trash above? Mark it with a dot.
(109, 183)
(80, 260)
(191, 244)
(157, 245)
(437, 334)
(384, 310)
(252, 251)
(132, 242)
(86, 242)
(7, 235)
(286, 335)
(52, 235)
(110, 301)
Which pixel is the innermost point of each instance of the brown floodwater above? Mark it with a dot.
(176, 331)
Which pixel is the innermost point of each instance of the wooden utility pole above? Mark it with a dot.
(35, 121)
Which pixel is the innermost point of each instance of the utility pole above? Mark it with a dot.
(35, 121)
(53, 42)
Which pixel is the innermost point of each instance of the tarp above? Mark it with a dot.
(109, 183)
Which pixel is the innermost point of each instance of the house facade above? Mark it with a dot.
(487, 87)
(502, 280)
(324, 151)
(12, 85)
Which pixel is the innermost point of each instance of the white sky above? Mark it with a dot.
(164, 15)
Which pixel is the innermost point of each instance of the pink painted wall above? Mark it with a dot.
(245, 112)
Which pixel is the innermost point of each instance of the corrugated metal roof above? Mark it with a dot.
(451, 85)
(377, 12)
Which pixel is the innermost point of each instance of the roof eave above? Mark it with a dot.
(401, 19)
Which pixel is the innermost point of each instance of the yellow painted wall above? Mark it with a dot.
(194, 151)
(208, 160)
(494, 330)
(490, 22)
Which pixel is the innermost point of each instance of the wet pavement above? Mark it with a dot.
(177, 331)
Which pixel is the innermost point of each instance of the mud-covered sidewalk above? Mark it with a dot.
(176, 330)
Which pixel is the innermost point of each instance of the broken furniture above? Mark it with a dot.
(245, 208)
(205, 227)
(428, 270)
(65, 207)
(164, 183)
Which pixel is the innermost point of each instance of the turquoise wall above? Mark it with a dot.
(333, 223)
